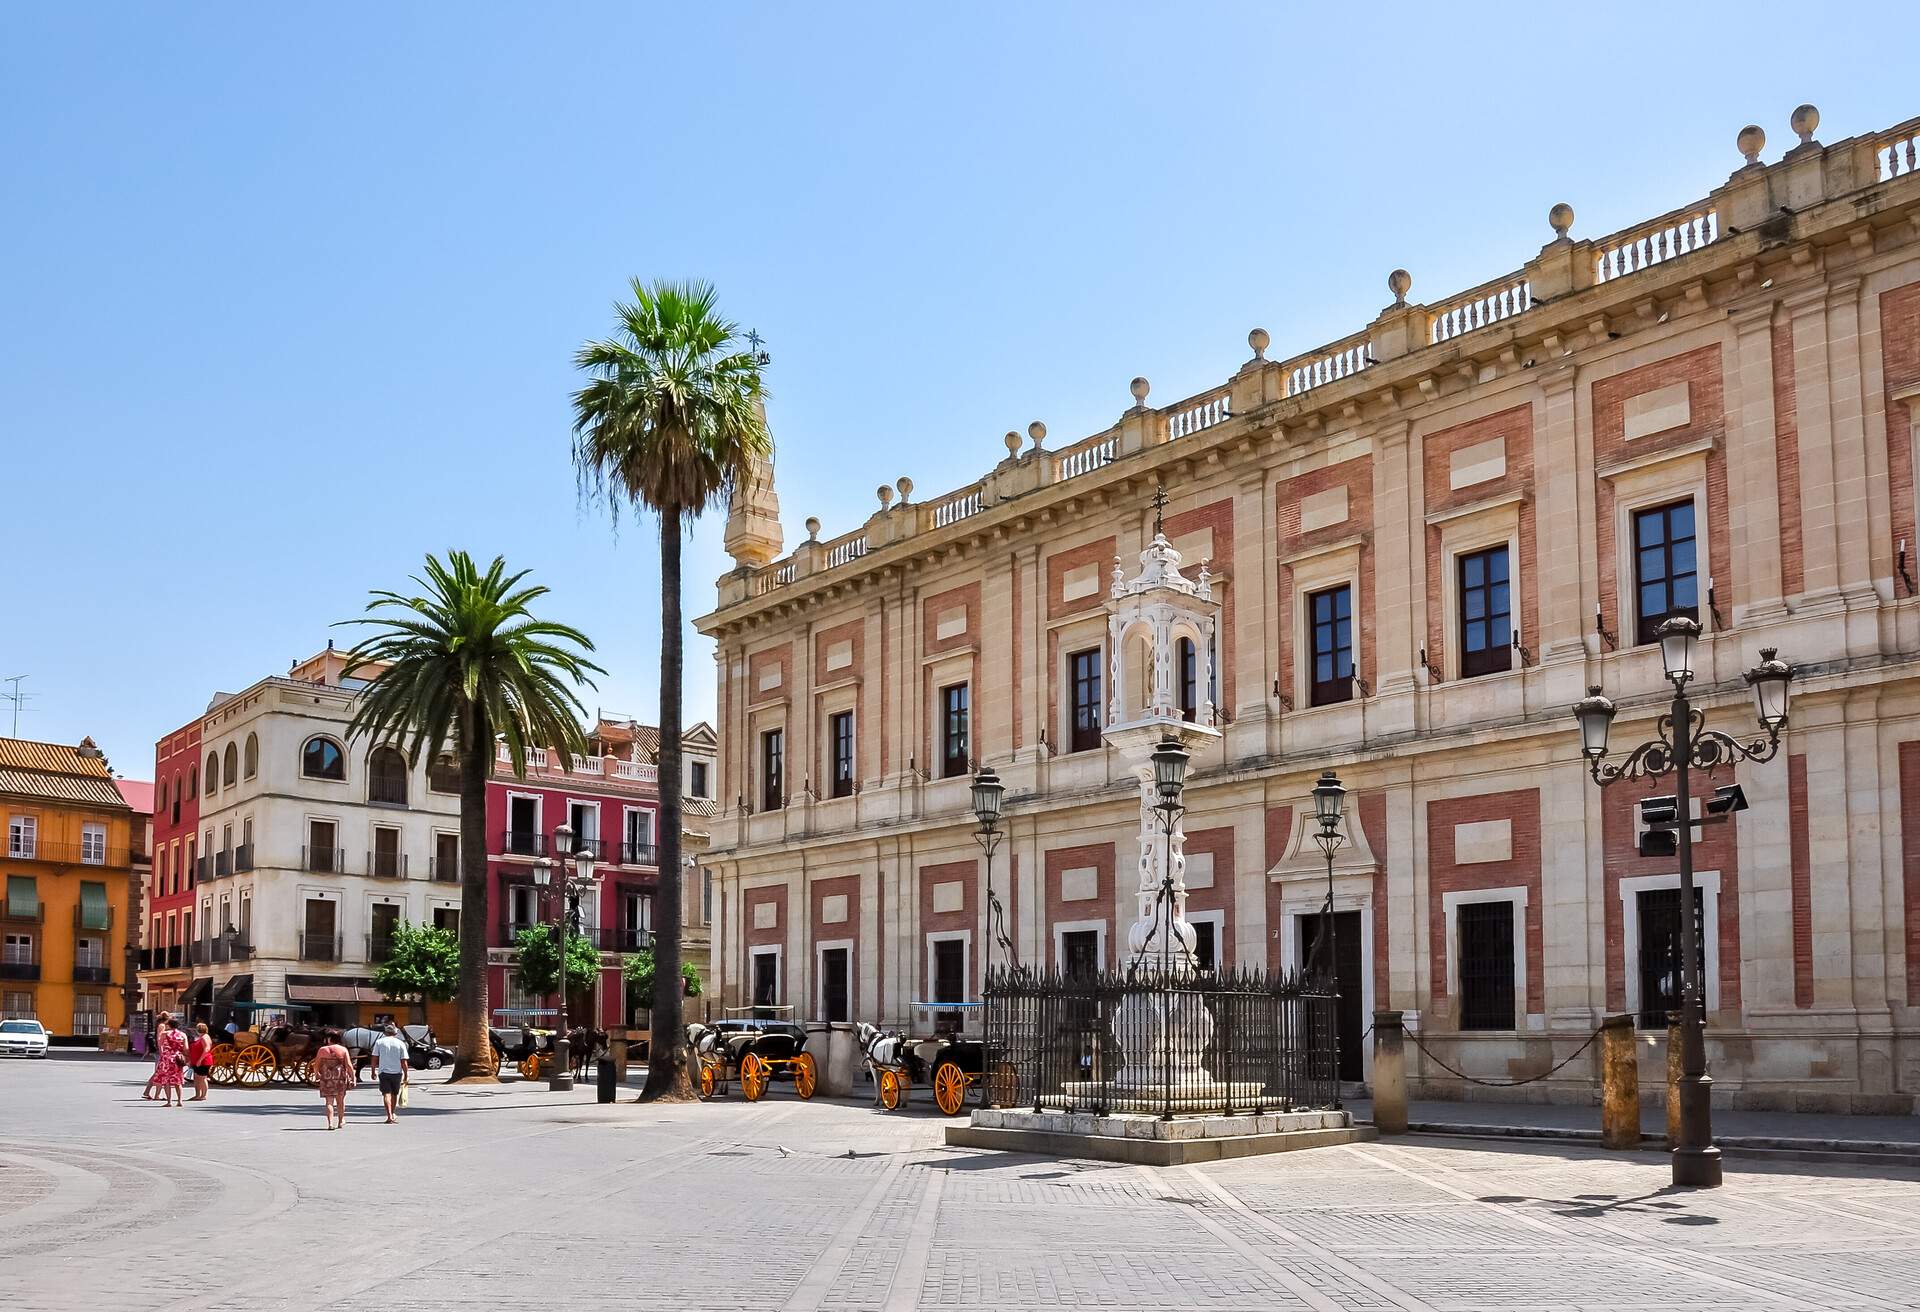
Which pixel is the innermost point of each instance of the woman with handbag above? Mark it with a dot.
(333, 1075)
(170, 1062)
(200, 1060)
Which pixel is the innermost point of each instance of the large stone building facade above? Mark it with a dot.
(1427, 540)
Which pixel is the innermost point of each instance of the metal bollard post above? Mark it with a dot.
(1619, 1084)
(1389, 1073)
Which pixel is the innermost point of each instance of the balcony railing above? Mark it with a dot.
(521, 842)
(387, 865)
(243, 858)
(222, 863)
(27, 913)
(444, 872)
(593, 847)
(510, 930)
(175, 957)
(379, 947)
(71, 854)
(319, 947)
(19, 968)
(638, 854)
(92, 974)
(202, 868)
(324, 860)
(627, 940)
(97, 918)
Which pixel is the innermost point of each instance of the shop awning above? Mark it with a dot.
(196, 992)
(237, 989)
(93, 905)
(345, 990)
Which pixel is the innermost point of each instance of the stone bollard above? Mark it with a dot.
(1619, 1084)
(617, 1049)
(1673, 1078)
(1389, 1073)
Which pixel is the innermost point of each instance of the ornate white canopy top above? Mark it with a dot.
(1160, 571)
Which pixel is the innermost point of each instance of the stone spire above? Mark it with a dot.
(753, 536)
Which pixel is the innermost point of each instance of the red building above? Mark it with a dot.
(166, 970)
(611, 800)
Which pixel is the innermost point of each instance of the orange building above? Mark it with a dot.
(63, 917)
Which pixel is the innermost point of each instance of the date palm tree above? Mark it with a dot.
(454, 669)
(670, 421)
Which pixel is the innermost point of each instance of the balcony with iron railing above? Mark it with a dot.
(639, 854)
(443, 872)
(320, 947)
(324, 860)
(522, 842)
(222, 863)
(20, 962)
(92, 972)
(243, 858)
(22, 912)
(100, 918)
(387, 865)
(69, 854)
(379, 947)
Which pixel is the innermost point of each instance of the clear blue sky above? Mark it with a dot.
(289, 296)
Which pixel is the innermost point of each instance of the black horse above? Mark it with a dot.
(585, 1045)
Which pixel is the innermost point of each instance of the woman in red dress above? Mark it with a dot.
(170, 1062)
(333, 1075)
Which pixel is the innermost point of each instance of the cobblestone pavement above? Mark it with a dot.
(515, 1197)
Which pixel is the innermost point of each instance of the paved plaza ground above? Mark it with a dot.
(514, 1197)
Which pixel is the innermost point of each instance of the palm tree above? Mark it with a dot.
(453, 669)
(671, 421)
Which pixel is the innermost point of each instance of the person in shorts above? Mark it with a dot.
(390, 1061)
(200, 1060)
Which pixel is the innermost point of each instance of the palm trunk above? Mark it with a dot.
(475, 1044)
(667, 1054)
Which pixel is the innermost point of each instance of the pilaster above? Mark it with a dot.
(1567, 579)
(1399, 554)
(1753, 471)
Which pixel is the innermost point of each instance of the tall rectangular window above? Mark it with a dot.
(1665, 575)
(94, 911)
(1330, 617)
(840, 729)
(23, 898)
(773, 757)
(23, 836)
(637, 850)
(322, 853)
(1486, 965)
(1205, 950)
(1083, 672)
(93, 844)
(1486, 622)
(766, 979)
(954, 731)
(835, 985)
(697, 779)
(446, 857)
(386, 854)
(1659, 962)
(89, 1013)
(1189, 678)
(949, 981)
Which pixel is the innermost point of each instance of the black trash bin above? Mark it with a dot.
(606, 1075)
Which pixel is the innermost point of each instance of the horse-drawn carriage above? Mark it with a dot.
(266, 1051)
(754, 1048)
(951, 1063)
(522, 1044)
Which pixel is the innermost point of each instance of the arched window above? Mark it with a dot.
(252, 756)
(1187, 676)
(232, 765)
(213, 774)
(193, 782)
(387, 776)
(322, 758)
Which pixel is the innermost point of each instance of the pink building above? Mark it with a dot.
(610, 799)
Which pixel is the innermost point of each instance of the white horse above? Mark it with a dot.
(702, 1040)
(880, 1050)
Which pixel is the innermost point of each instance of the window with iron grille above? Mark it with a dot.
(954, 731)
(840, 728)
(1659, 963)
(1331, 622)
(1485, 932)
(89, 1013)
(773, 754)
(1486, 619)
(1084, 674)
(1665, 571)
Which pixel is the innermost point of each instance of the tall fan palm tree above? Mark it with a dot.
(454, 669)
(671, 421)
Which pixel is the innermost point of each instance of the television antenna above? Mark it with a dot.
(18, 698)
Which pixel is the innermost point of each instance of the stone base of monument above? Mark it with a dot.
(1147, 1139)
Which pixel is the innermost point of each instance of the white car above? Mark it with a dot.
(22, 1038)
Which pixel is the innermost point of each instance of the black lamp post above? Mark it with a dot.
(1169, 760)
(568, 887)
(988, 793)
(1329, 800)
(1684, 744)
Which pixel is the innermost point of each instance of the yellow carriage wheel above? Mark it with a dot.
(754, 1074)
(949, 1088)
(222, 1060)
(255, 1066)
(709, 1078)
(531, 1066)
(806, 1075)
(302, 1072)
(893, 1088)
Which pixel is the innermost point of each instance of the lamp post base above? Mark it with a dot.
(1696, 1168)
(562, 1078)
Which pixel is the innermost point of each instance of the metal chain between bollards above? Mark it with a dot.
(1505, 1084)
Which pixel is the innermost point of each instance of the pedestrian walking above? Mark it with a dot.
(152, 1092)
(390, 1061)
(333, 1074)
(170, 1062)
(200, 1060)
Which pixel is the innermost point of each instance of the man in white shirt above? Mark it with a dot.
(390, 1060)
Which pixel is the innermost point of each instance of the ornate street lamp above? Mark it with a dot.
(1683, 743)
(570, 884)
(988, 795)
(1329, 803)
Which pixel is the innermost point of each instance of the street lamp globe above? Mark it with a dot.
(1769, 681)
(1595, 714)
(563, 839)
(1328, 797)
(987, 794)
(1679, 640)
(584, 867)
(542, 871)
(1170, 769)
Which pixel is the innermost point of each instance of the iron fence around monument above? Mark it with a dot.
(1239, 1041)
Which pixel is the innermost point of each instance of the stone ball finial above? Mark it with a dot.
(885, 494)
(1038, 432)
(1139, 387)
(1013, 443)
(905, 485)
(1259, 341)
(813, 528)
(1399, 282)
(1805, 121)
(1751, 141)
(1560, 218)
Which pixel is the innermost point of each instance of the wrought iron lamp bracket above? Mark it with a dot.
(1707, 749)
